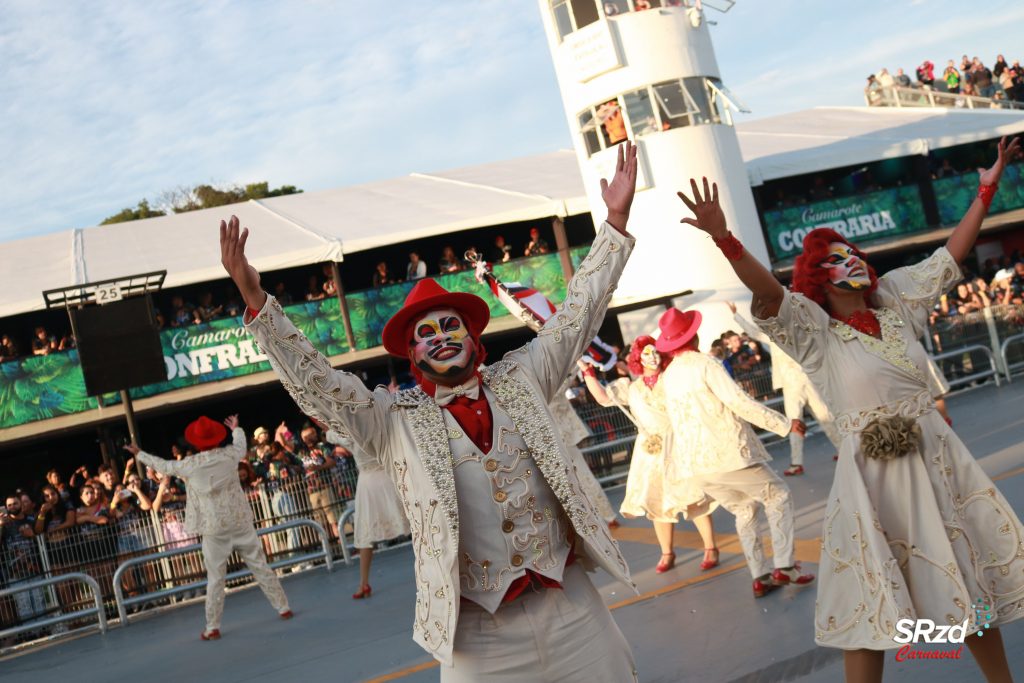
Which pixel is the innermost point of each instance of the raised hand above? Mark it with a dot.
(732, 306)
(133, 449)
(1006, 154)
(798, 427)
(232, 257)
(231, 422)
(618, 194)
(708, 213)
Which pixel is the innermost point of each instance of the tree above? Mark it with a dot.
(183, 199)
(141, 211)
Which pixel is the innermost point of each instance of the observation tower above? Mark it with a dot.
(646, 70)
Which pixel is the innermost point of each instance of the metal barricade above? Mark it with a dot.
(123, 603)
(1004, 354)
(346, 518)
(993, 370)
(34, 625)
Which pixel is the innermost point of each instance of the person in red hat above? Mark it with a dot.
(714, 446)
(502, 528)
(218, 511)
(914, 528)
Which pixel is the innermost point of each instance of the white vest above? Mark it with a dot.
(518, 523)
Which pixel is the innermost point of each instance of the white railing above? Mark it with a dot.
(902, 96)
(1004, 352)
(48, 583)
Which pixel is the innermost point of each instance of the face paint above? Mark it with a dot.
(650, 358)
(441, 346)
(846, 270)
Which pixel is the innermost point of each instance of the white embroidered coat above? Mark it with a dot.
(709, 413)
(406, 432)
(216, 503)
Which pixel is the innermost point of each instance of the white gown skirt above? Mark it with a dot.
(379, 512)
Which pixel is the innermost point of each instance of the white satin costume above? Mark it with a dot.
(218, 510)
(922, 535)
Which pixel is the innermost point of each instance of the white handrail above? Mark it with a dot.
(93, 585)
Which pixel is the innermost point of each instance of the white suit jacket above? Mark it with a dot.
(216, 503)
(406, 432)
(709, 413)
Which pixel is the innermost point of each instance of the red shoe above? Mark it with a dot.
(793, 470)
(614, 524)
(363, 592)
(763, 588)
(707, 564)
(835, 457)
(287, 614)
(784, 577)
(210, 635)
(664, 566)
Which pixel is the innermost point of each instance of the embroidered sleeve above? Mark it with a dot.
(175, 468)
(799, 330)
(912, 291)
(618, 391)
(338, 399)
(237, 447)
(551, 356)
(741, 403)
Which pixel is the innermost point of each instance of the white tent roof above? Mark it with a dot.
(830, 137)
(185, 245)
(313, 227)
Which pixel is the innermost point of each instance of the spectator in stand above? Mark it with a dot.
(78, 479)
(946, 170)
(233, 306)
(328, 286)
(181, 313)
(981, 77)
(108, 481)
(965, 68)
(952, 78)
(502, 252)
(967, 89)
(609, 115)
(56, 516)
(18, 546)
(28, 506)
(318, 461)
(718, 351)
(1006, 82)
(206, 311)
(537, 245)
(1018, 81)
(417, 269)
(170, 502)
(999, 67)
(381, 276)
(738, 355)
(314, 292)
(872, 91)
(282, 295)
(926, 74)
(43, 343)
(902, 79)
(1015, 286)
(95, 548)
(885, 78)
(8, 349)
(53, 479)
(129, 523)
(449, 263)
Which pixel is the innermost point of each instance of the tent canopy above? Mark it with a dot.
(818, 139)
(314, 227)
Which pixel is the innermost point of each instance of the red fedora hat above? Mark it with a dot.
(205, 433)
(677, 329)
(427, 295)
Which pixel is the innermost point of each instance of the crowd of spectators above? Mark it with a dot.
(42, 343)
(1004, 81)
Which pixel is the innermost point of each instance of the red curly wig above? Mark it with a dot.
(636, 348)
(809, 278)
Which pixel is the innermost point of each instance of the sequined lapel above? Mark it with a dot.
(892, 347)
(431, 438)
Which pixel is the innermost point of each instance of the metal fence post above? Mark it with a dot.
(993, 335)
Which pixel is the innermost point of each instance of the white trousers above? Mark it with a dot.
(553, 635)
(217, 549)
(746, 493)
(795, 399)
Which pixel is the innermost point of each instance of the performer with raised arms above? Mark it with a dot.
(502, 530)
(914, 529)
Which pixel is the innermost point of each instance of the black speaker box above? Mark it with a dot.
(119, 345)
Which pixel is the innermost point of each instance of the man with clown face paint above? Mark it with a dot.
(502, 529)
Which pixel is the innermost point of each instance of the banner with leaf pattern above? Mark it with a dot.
(42, 387)
(955, 193)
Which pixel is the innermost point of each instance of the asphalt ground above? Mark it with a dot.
(687, 625)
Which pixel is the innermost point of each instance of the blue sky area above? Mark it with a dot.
(107, 102)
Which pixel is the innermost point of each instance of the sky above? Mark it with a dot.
(108, 102)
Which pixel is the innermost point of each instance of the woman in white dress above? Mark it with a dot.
(379, 512)
(914, 529)
(651, 491)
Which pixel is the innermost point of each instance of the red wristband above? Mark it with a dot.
(589, 372)
(986, 193)
(253, 313)
(730, 246)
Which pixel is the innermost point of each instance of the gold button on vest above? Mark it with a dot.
(517, 560)
(507, 526)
